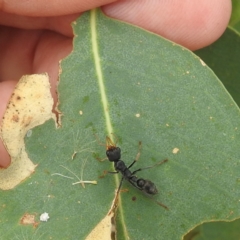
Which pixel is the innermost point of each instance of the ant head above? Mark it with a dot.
(113, 154)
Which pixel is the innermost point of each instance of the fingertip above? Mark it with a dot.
(5, 159)
(47, 8)
(6, 89)
(207, 24)
(193, 24)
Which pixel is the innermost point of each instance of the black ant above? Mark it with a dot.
(114, 154)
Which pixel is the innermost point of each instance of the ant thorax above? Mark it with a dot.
(113, 154)
(120, 166)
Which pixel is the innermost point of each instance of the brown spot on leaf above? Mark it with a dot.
(15, 118)
(26, 121)
(29, 219)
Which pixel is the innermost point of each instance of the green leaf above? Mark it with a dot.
(216, 231)
(141, 87)
(235, 16)
(223, 58)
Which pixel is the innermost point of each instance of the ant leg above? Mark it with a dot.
(159, 163)
(101, 159)
(138, 154)
(120, 185)
(106, 172)
(98, 140)
(159, 203)
(162, 205)
(101, 144)
(112, 172)
(117, 193)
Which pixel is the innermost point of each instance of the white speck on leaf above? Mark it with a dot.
(44, 217)
(175, 150)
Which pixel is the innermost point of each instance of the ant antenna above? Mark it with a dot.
(109, 141)
(116, 138)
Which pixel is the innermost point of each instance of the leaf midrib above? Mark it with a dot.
(104, 100)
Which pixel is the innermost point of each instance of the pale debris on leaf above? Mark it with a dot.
(175, 150)
(30, 105)
(44, 217)
(106, 229)
(103, 230)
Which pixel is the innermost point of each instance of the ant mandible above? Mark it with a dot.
(114, 155)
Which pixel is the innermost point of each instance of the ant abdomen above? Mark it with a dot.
(147, 186)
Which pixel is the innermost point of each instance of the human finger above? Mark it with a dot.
(191, 23)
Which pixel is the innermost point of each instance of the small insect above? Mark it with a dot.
(146, 186)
